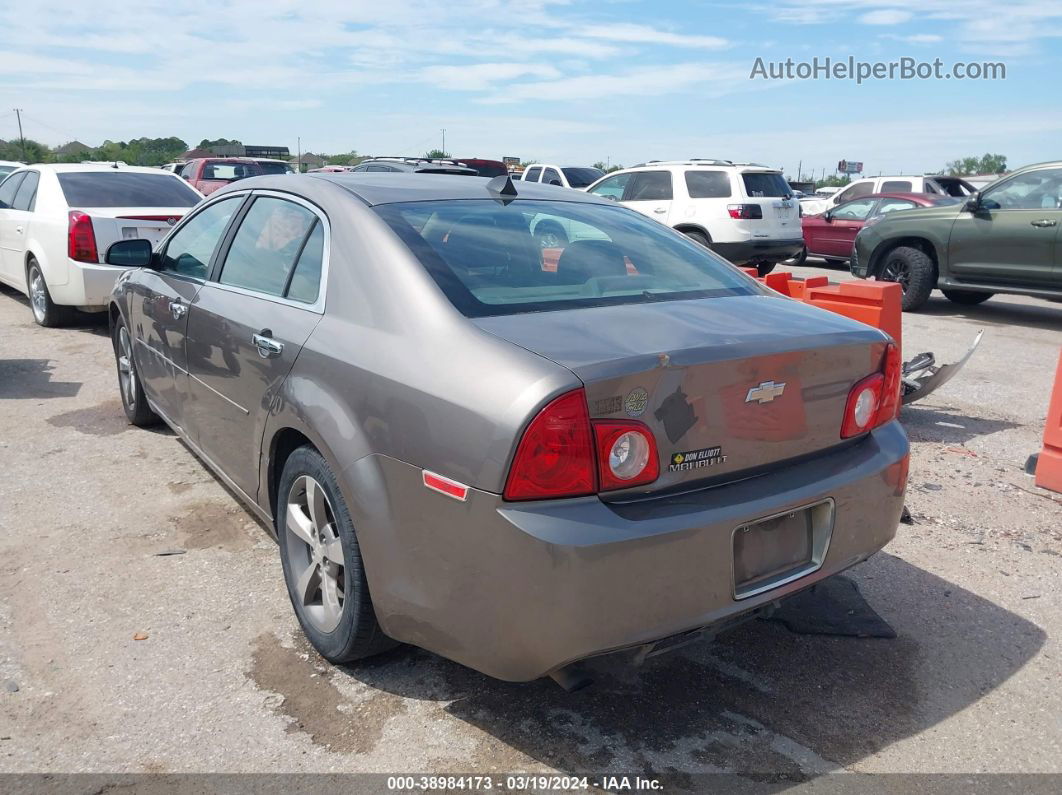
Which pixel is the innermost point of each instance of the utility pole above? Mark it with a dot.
(298, 156)
(444, 140)
(21, 139)
(800, 170)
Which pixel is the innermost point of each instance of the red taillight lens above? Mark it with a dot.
(745, 211)
(876, 399)
(81, 239)
(626, 454)
(555, 457)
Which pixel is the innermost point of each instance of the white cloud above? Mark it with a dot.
(886, 16)
(643, 34)
(477, 77)
(922, 38)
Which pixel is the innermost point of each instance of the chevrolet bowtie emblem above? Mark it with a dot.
(765, 392)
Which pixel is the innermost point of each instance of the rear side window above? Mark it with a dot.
(896, 186)
(892, 205)
(613, 187)
(230, 172)
(270, 239)
(125, 189)
(9, 188)
(27, 192)
(708, 184)
(531, 175)
(765, 185)
(650, 186)
(305, 282)
(551, 177)
(581, 177)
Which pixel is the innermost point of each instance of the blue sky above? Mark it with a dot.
(562, 81)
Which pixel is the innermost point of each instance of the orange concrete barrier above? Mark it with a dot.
(1049, 465)
(784, 283)
(875, 303)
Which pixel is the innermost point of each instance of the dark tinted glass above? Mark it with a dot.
(275, 168)
(531, 175)
(264, 249)
(766, 185)
(708, 184)
(650, 186)
(5, 170)
(125, 189)
(581, 177)
(490, 171)
(9, 188)
(896, 186)
(27, 192)
(484, 257)
(551, 177)
(306, 281)
(189, 251)
(230, 172)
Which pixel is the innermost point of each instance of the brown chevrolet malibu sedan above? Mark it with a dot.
(514, 456)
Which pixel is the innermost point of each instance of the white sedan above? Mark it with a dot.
(58, 220)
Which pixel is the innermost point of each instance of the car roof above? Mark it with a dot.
(64, 168)
(375, 188)
(908, 196)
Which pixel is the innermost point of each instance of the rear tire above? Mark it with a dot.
(914, 271)
(966, 297)
(322, 562)
(697, 237)
(834, 262)
(799, 259)
(763, 268)
(45, 311)
(134, 402)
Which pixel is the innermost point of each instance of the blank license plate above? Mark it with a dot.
(770, 548)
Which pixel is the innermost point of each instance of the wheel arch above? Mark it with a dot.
(689, 227)
(881, 253)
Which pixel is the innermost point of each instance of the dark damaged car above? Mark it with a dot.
(514, 462)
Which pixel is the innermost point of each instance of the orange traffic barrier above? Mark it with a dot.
(1049, 465)
(875, 303)
(784, 283)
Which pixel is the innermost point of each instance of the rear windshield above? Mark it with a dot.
(488, 170)
(769, 184)
(275, 168)
(531, 256)
(581, 177)
(125, 189)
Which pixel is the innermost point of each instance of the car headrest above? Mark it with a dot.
(583, 260)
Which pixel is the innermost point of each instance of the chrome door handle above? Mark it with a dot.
(267, 346)
(178, 310)
(18, 229)
(1044, 222)
(660, 210)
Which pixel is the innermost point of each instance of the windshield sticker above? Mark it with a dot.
(696, 459)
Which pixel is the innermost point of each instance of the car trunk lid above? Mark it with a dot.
(780, 212)
(111, 224)
(727, 386)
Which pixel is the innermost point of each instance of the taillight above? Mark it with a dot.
(555, 457)
(626, 454)
(81, 239)
(875, 400)
(745, 210)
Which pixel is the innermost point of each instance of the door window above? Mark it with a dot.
(551, 177)
(9, 188)
(892, 205)
(1037, 190)
(853, 211)
(650, 186)
(305, 283)
(854, 191)
(270, 239)
(708, 184)
(896, 186)
(613, 187)
(26, 196)
(191, 248)
(532, 174)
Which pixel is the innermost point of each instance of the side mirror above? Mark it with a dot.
(129, 253)
(973, 204)
(828, 216)
(555, 182)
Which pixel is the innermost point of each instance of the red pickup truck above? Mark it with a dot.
(207, 174)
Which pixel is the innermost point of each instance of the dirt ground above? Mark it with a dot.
(90, 509)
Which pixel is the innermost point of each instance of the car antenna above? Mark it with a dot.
(502, 186)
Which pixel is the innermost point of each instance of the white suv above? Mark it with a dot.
(743, 211)
(58, 220)
(576, 177)
(945, 186)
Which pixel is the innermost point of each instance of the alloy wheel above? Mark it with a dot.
(897, 271)
(315, 553)
(126, 369)
(38, 294)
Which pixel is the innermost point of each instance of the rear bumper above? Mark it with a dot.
(759, 250)
(516, 590)
(89, 285)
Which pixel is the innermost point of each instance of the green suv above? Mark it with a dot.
(1005, 239)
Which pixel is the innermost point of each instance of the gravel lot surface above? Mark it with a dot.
(222, 680)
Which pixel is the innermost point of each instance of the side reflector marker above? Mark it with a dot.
(443, 485)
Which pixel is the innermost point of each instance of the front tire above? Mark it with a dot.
(966, 297)
(134, 402)
(697, 237)
(914, 271)
(834, 262)
(799, 259)
(45, 311)
(322, 562)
